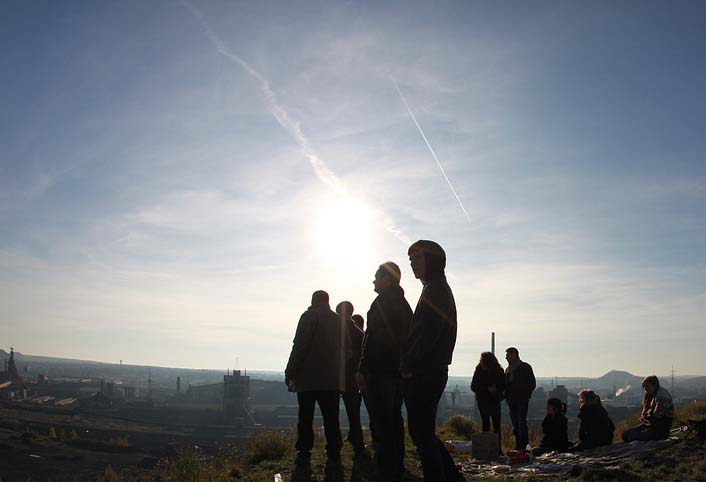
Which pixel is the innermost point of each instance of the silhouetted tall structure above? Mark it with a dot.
(236, 396)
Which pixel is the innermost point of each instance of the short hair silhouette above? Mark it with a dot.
(359, 321)
(652, 380)
(319, 296)
(514, 350)
(391, 270)
(434, 255)
(345, 308)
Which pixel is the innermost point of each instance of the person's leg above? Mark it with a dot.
(328, 403)
(351, 401)
(484, 417)
(305, 423)
(495, 416)
(421, 402)
(639, 433)
(512, 409)
(385, 396)
(371, 422)
(523, 435)
(398, 428)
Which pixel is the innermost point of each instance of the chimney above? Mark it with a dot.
(492, 342)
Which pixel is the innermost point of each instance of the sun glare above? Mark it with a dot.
(343, 232)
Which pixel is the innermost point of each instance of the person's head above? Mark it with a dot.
(555, 406)
(650, 384)
(427, 259)
(589, 397)
(512, 355)
(345, 310)
(488, 361)
(359, 321)
(387, 275)
(319, 297)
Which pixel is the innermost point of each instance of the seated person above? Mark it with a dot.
(657, 413)
(596, 429)
(555, 428)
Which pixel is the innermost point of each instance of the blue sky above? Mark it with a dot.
(177, 178)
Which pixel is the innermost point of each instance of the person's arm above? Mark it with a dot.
(301, 345)
(475, 385)
(427, 329)
(532, 379)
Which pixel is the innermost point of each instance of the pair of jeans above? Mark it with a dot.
(641, 433)
(328, 401)
(384, 401)
(352, 400)
(518, 416)
(421, 396)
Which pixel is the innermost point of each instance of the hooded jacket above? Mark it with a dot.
(389, 319)
(432, 336)
(320, 351)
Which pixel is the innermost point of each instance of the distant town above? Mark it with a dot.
(212, 405)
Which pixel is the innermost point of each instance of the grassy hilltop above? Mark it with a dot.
(271, 452)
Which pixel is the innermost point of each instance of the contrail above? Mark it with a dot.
(433, 154)
(292, 126)
(323, 172)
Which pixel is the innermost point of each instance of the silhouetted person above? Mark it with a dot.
(316, 371)
(555, 428)
(351, 397)
(389, 320)
(359, 321)
(426, 360)
(596, 429)
(489, 386)
(657, 413)
(520, 385)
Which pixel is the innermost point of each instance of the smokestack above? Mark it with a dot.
(492, 342)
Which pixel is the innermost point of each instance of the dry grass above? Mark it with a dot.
(268, 445)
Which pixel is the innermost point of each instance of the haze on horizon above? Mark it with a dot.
(177, 178)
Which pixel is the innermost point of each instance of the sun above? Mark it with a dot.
(343, 232)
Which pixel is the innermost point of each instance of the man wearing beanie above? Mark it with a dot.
(426, 360)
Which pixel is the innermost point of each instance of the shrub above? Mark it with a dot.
(268, 445)
(460, 426)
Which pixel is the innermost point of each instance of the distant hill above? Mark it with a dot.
(618, 379)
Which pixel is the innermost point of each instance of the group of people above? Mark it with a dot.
(492, 384)
(402, 358)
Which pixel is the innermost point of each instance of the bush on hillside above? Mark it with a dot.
(460, 426)
(268, 445)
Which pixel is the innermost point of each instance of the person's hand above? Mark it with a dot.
(360, 382)
(290, 384)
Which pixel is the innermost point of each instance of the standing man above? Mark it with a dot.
(316, 371)
(351, 397)
(378, 376)
(520, 385)
(426, 360)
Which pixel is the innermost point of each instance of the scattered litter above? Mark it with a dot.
(278, 477)
(35, 456)
(553, 464)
